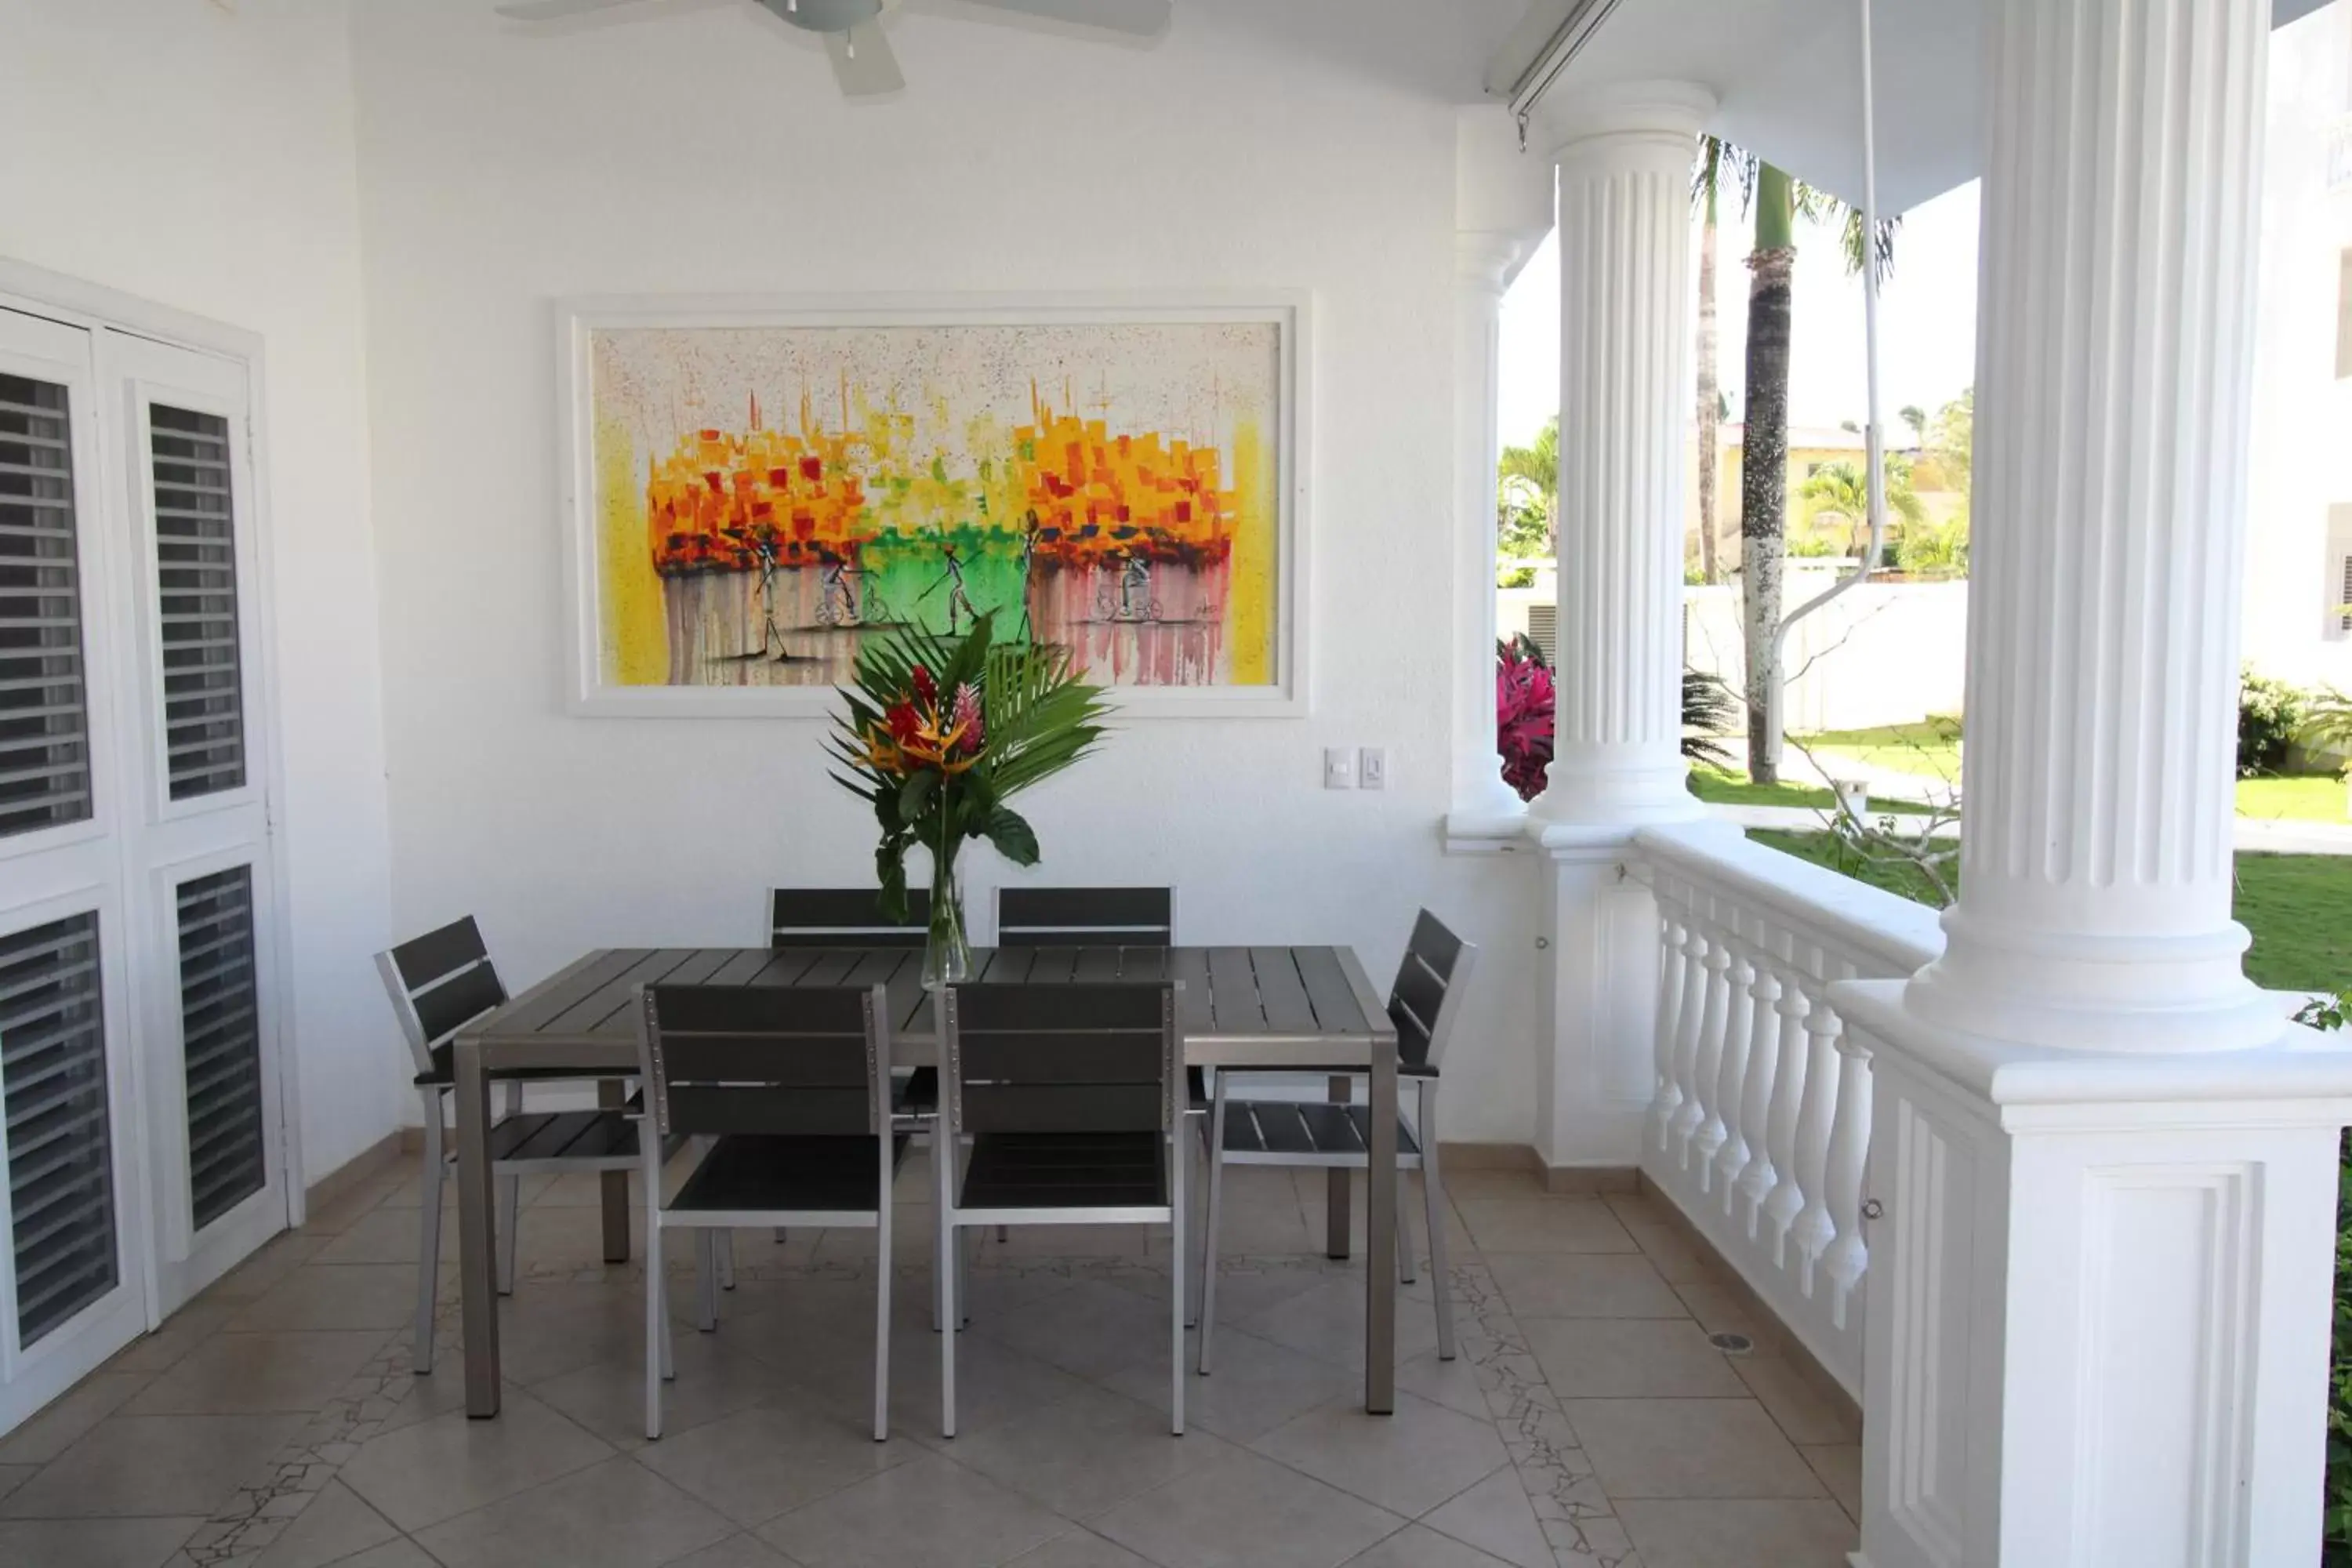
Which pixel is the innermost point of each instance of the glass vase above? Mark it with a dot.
(946, 954)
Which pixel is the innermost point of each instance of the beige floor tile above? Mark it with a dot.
(1496, 1517)
(334, 1218)
(1090, 1329)
(994, 1383)
(336, 1525)
(350, 1296)
(1670, 1252)
(745, 1551)
(1484, 1182)
(1684, 1534)
(1327, 1322)
(714, 1379)
(152, 1465)
(1543, 1224)
(758, 1463)
(243, 1374)
(1719, 1309)
(1245, 1287)
(1789, 1397)
(1582, 1285)
(1084, 1454)
(1840, 1466)
(384, 1235)
(1407, 1462)
(94, 1542)
(1079, 1549)
(1641, 1208)
(548, 1329)
(931, 1513)
(420, 1475)
(1452, 1384)
(64, 1420)
(401, 1553)
(1413, 1547)
(1688, 1449)
(183, 1331)
(1255, 1386)
(1630, 1358)
(617, 1514)
(1244, 1509)
(278, 1259)
(14, 1476)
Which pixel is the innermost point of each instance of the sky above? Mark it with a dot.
(1927, 320)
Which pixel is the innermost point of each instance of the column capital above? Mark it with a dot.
(1490, 259)
(1631, 118)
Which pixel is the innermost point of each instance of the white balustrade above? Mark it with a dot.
(1761, 1126)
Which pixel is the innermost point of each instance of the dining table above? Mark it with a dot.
(1307, 1009)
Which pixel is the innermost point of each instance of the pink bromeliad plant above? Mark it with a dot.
(1523, 704)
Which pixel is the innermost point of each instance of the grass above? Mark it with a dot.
(1930, 747)
(1719, 788)
(2294, 904)
(2308, 798)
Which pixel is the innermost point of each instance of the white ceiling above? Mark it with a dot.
(1788, 74)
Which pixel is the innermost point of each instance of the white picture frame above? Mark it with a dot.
(590, 692)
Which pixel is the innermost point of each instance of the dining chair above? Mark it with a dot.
(792, 1087)
(1072, 1098)
(1086, 917)
(440, 982)
(1431, 981)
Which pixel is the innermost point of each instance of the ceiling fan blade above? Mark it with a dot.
(556, 10)
(863, 61)
(1143, 17)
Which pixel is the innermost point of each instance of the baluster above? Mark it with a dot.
(1710, 1134)
(1815, 1229)
(1786, 1198)
(1689, 1023)
(1731, 1079)
(1669, 1092)
(1849, 1153)
(1764, 1069)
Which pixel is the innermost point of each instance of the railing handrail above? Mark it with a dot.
(1881, 934)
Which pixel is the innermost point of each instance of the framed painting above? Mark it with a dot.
(753, 489)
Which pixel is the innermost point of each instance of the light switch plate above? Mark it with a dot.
(1339, 767)
(1372, 768)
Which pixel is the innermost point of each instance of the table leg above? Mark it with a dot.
(1381, 1237)
(1335, 1185)
(476, 1233)
(611, 1092)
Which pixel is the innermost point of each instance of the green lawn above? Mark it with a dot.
(1930, 747)
(2295, 905)
(1719, 788)
(2310, 798)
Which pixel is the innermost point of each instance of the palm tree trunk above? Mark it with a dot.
(1764, 465)
(1710, 396)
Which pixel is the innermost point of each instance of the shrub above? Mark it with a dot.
(1516, 577)
(2337, 1550)
(2269, 716)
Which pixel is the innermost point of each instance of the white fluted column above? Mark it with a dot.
(2115, 356)
(1485, 260)
(2104, 1167)
(1625, 157)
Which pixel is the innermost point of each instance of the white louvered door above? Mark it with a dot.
(204, 958)
(73, 1290)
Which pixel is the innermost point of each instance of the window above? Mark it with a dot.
(53, 1080)
(44, 727)
(221, 1042)
(195, 548)
(2344, 317)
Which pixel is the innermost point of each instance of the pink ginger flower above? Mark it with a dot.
(965, 715)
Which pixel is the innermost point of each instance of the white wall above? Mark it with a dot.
(202, 160)
(2302, 461)
(699, 148)
(1884, 653)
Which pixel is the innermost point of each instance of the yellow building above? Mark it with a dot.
(1812, 448)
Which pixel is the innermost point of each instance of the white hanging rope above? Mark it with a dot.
(1875, 482)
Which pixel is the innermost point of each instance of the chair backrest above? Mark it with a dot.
(1429, 985)
(1086, 917)
(766, 1059)
(844, 917)
(1063, 1059)
(439, 982)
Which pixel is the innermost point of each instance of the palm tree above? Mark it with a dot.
(1707, 183)
(1913, 416)
(1528, 477)
(1837, 492)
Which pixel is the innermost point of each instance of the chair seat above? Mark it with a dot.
(919, 1092)
(606, 1137)
(1273, 1129)
(444, 1072)
(1066, 1170)
(774, 1174)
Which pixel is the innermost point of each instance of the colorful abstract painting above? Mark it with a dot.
(765, 496)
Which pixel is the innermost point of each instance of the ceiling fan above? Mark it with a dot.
(861, 60)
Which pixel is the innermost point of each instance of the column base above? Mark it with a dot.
(1612, 790)
(1487, 818)
(1598, 1015)
(2076, 992)
(2099, 1296)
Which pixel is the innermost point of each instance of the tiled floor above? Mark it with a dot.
(276, 1422)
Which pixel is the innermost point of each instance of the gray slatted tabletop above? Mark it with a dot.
(1256, 1008)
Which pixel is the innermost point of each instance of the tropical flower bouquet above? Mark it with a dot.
(937, 735)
